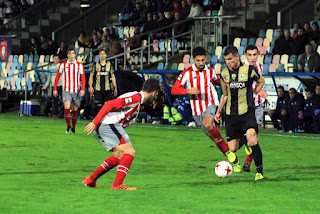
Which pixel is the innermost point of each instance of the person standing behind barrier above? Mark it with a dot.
(71, 71)
(316, 120)
(53, 68)
(99, 80)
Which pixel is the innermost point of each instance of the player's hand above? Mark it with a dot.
(91, 90)
(193, 91)
(263, 94)
(283, 112)
(81, 93)
(217, 117)
(90, 128)
(55, 93)
(300, 67)
(115, 92)
(44, 87)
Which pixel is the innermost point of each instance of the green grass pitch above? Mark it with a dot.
(42, 169)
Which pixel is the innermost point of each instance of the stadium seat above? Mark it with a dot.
(126, 31)
(293, 60)
(273, 68)
(15, 58)
(211, 50)
(266, 42)
(30, 59)
(81, 50)
(252, 41)
(262, 33)
(259, 42)
(280, 68)
(36, 59)
(25, 58)
(223, 66)
(174, 45)
(181, 67)
(174, 66)
(244, 42)
(275, 34)
(243, 58)
(268, 59)
(222, 60)
(131, 31)
(162, 46)
(223, 49)
(20, 59)
(47, 58)
(120, 32)
(260, 59)
(269, 34)
(155, 46)
(284, 59)
(167, 66)
(318, 49)
(270, 50)
(218, 51)
(96, 58)
(291, 31)
(208, 59)
(214, 59)
(241, 50)
(276, 59)
(263, 50)
(217, 68)
(191, 60)
(290, 68)
(236, 42)
(41, 59)
(265, 69)
(160, 66)
(167, 45)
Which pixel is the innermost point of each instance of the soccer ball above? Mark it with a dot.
(223, 169)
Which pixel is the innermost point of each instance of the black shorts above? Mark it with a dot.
(237, 125)
(101, 97)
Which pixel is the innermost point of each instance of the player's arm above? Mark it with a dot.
(46, 85)
(223, 100)
(56, 81)
(91, 90)
(114, 82)
(260, 83)
(178, 90)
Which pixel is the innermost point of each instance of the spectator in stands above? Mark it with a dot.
(55, 101)
(143, 15)
(316, 104)
(136, 15)
(213, 5)
(162, 22)
(149, 25)
(195, 10)
(300, 42)
(83, 40)
(100, 34)
(282, 44)
(114, 46)
(296, 26)
(169, 17)
(53, 47)
(289, 39)
(95, 42)
(177, 7)
(185, 9)
(179, 28)
(168, 5)
(295, 108)
(44, 44)
(113, 34)
(281, 111)
(315, 34)
(34, 48)
(129, 7)
(104, 43)
(307, 28)
(135, 42)
(308, 111)
(309, 61)
(63, 50)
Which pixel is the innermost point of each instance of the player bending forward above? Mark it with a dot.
(108, 127)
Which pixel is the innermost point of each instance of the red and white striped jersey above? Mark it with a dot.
(257, 99)
(123, 110)
(71, 73)
(202, 80)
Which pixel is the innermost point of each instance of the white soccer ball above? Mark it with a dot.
(223, 169)
(192, 124)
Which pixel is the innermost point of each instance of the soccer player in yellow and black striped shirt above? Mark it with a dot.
(99, 80)
(237, 92)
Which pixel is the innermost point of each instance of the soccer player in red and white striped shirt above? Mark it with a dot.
(252, 54)
(196, 81)
(71, 71)
(108, 127)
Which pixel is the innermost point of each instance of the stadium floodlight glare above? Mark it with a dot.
(84, 5)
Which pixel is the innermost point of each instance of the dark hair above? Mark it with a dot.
(251, 47)
(309, 90)
(318, 84)
(281, 87)
(151, 85)
(56, 55)
(315, 23)
(199, 51)
(308, 44)
(301, 28)
(231, 50)
(103, 50)
(292, 89)
(71, 49)
(307, 23)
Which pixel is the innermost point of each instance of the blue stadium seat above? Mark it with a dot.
(160, 66)
(241, 50)
(293, 60)
(29, 84)
(211, 50)
(268, 59)
(162, 46)
(18, 83)
(291, 31)
(15, 58)
(96, 58)
(30, 59)
(191, 60)
(270, 49)
(280, 68)
(174, 45)
(214, 59)
(36, 59)
(275, 34)
(252, 41)
(244, 42)
(223, 66)
(120, 32)
(262, 33)
(174, 66)
(265, 69)
(224, 48)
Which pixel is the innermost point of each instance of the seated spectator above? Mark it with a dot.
(143, 15)
(315, 34)
(195, 10)
(136, 15)
(296, 27)
(95, 42)
(34, 47)
(149, 25)
(316, 106)
(83, 40)
(290, 41)
(100, 34)
(63, 50)
(309, 61)
(177, 7)
(113, 34)
(185, 9)
(300, 42)
(135, 42)
(53, 47)
(308, 111)
(295, 107)
(213, 5)
(169, 17)
(181, 27)
(282, 44)
(129, 7)
(44, 44)
(281, 111)
(104, 42)
(114, 46)
(307, 29)
(162, 22)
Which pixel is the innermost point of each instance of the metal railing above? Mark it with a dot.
(288, 8)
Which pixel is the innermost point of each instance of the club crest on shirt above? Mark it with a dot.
(128, 100)
(233, 76)
(242, 76)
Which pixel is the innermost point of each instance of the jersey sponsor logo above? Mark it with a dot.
(237, 85)
(102, 73)
(128, 100)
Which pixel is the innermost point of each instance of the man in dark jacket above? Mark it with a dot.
(281, 111)
(308, 112)
(309, 61)
(295, 107)
(282, 45)
(316, 120)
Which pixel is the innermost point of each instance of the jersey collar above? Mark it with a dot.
(194, 68)
(246, 62)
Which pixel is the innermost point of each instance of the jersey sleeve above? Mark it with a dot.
(56, 81)
(254, 74)
(224, 87)
(115, 104)
(93, 68)
(177, 87)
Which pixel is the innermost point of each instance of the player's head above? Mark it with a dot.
(150, 88)
(251, 54)
(71, 55)
(231, 56)
(56, 59)
(308, 92)
(102, 54)
(280, 91)
(318, 89)
(292, 93)
(199, 57)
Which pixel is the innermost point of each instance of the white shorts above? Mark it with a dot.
(259, 114)
(111, 135)
(210, 111)
(72, 97)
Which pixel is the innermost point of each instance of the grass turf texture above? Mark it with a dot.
(42, 170)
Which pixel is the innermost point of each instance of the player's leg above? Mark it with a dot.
(256, 151)
(75, 107)
(66, 97)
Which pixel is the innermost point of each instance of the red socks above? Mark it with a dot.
(74, 118)
(249, 159)
(217, 138)
(123, 168)
(67, 116)
(108, 164)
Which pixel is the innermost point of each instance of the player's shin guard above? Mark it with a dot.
(257, 156)
(106, 166)
(123, 169)
(217, 138)
(67, 116)
(249, 159)
(74, 118)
